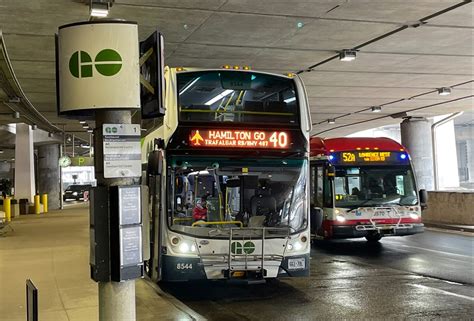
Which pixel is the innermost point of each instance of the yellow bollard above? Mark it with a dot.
(37, 204)
(44, 200)
(7, 208)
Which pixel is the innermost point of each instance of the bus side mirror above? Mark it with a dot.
(155, 163)
(316, 217)
(423, 198)
(331, 172)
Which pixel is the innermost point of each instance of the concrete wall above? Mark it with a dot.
(450, 207)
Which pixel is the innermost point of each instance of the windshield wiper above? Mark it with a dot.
(359, 205)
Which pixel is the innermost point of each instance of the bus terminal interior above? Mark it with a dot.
(364, 70)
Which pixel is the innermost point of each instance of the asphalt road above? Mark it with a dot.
(425, 276)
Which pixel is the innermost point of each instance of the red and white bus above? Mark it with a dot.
(363, 187)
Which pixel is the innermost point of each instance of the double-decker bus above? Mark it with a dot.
(363, 187)
(227, 171)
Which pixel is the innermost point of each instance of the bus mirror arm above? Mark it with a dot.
(423, 194)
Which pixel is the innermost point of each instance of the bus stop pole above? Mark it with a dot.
(116, 299)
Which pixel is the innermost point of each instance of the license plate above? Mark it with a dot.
(296, 264)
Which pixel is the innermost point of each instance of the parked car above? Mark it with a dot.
(77, 192)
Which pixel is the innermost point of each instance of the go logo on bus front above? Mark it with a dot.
(239, 248)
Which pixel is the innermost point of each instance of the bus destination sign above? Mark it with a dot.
(239, 138)
(374, 157)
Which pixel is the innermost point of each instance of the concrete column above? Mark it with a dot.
(24, 163)
(416, 137)
(446, 158)
(5, 169)
(48, 174)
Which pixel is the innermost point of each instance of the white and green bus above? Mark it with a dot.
(227, 169)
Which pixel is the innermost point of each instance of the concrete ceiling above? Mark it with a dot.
(399, 66)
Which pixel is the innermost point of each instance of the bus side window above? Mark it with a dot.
(327, 192)
(316, 186)
(319, 186)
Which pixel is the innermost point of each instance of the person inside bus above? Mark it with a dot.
(355, 192)
(200, 210)
(389, 185)
(374, 186)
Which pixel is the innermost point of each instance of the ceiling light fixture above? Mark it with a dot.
(85, 126)
(444, 91)
(90, 131)
(99, 9)
(331, 121)
(220, 96)
(34, 127)
(1, 151)
(376, 109)
(82, 122)
(16, 115)
(347, 55)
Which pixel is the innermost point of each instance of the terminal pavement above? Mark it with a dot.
(53, 251)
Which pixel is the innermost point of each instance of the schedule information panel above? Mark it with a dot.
(122, 153)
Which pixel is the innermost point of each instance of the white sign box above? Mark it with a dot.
(122, 152)
(97, 66)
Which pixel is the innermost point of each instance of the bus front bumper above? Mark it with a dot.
(350, 231)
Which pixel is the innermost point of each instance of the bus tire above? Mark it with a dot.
(373, 237)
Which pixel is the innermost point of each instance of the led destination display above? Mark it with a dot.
(239, 138)
(373, 157)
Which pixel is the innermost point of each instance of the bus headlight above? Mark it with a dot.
(414, 216)
(297, 246)
(340, 218)
(185, 247)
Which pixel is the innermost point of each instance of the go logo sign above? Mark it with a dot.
(111, 130)
(108, 62)
(247, 248)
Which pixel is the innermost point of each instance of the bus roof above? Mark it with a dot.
(321, 146)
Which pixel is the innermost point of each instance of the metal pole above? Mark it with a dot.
(435, 151)
(116, 299)
(61, 191)
(90, 144)
(73, 143)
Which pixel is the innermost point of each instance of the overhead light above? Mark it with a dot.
(14, 100)
(399, 115)
(85, 126)
(34, 126)
(444, 91)
(347, 55)
(220, 96)
(82, 122)
(331, 121)
(50, 134)
(189, 86)
(99, 9)
(289, 100)
(90, 131)
(376, 109)
(69, 139)
(1, 151)
(16, 115)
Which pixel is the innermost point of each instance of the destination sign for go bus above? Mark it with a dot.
(239, 138)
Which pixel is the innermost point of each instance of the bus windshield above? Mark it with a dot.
(374, 186)
(236, 96)
(211, 196)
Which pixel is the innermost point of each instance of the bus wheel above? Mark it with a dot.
(373, 237)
